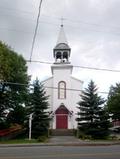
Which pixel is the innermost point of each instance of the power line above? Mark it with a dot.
(95, 68)
(67, 19)
(82, 22)
(32, 20)
(15, 10)
(15, 30)
(36, 28)
(94, 30)
(76, 27)
(37, 61)
(69, 89)
(76, 66)
(55, 17)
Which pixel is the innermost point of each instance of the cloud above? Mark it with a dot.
(92, 28)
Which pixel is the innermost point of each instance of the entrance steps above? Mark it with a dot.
(62, 132)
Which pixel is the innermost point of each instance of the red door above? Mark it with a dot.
(62, 117)
(61, 121)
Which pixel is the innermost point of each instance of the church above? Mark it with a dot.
(62, 88)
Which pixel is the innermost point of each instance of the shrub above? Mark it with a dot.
(41, 138)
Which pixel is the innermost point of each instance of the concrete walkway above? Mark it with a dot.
(64, 139)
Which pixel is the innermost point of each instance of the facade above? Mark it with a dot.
(61, 87)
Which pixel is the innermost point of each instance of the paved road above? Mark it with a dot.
(61, 152)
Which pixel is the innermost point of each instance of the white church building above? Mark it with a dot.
(62, 88)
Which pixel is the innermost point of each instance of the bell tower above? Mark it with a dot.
(62, 50)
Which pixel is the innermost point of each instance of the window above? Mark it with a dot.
(65, 56)
(61, 90)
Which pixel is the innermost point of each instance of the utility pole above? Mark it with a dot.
(30, 125)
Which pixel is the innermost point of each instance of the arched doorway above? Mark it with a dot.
(62, 117)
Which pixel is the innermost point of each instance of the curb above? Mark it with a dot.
(59, 144)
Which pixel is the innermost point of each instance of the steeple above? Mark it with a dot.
(62, 37)
(62, 49)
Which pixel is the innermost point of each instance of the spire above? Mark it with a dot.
(62, 50)
(62, 37)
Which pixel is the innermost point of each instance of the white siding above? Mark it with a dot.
(63, 73)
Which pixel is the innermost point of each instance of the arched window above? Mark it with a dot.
(61, 90)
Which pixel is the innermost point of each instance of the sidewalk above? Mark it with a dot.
(73, 141)
(65, 141)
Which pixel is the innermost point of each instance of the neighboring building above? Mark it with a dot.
(62, 88)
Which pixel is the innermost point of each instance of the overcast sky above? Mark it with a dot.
(92, 29)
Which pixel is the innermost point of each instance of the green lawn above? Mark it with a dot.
(18, 141)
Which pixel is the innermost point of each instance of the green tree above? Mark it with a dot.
(39, 108)
(113, 102)
(17, 115)
(92, 118)
(13, 69)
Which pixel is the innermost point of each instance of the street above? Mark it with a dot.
(60, 152)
